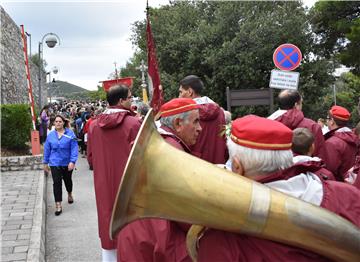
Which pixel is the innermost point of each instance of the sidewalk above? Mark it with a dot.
(23, 215)
(27, 218)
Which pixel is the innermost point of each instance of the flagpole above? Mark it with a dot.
(153, 71)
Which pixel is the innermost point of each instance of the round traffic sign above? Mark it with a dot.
(287, 57)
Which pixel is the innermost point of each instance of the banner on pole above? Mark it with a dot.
(128, 81)
(153, 71)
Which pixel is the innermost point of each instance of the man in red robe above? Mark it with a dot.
(211, 144)
(254, 138)
(290, 114)
(110, 138)
(158, 239)
(341, 143)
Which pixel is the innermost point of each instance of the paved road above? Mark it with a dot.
(73, 236)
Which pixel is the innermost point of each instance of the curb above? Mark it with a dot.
(36, 250)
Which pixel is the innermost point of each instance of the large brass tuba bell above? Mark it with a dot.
(162, 182)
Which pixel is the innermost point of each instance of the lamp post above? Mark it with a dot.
(29, 35)
(51, 83)
(51, 41)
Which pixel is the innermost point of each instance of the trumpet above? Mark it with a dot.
(161, 181)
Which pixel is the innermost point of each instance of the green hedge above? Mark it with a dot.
(15, 126)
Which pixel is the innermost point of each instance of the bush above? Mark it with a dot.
(15, 126)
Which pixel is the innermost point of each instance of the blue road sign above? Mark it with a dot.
(287, 57)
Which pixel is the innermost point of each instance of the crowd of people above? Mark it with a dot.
(286, 151)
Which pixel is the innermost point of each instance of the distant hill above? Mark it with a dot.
(65, 89)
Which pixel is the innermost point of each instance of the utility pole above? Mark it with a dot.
(116, 73)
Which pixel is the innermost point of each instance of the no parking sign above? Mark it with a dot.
(287, 57)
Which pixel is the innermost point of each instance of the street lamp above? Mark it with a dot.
(51, 83)
(51, 41)
(29, 35)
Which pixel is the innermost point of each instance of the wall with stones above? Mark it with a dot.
(21, 163)
(14, 88)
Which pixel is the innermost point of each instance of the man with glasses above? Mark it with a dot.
(110, 138)
(341, 143)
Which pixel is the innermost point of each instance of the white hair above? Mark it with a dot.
(260, 161)
(168, 120)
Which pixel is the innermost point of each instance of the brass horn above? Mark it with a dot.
(160, 181)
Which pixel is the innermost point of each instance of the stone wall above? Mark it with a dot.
(14, 88)
(21, 163)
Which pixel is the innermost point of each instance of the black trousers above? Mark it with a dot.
(60, 173)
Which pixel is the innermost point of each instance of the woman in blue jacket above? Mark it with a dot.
(60, 154)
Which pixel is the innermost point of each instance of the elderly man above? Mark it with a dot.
(341, 143)
(211, 145)
(158, 239)
(290, 114)
(110, 139)
(260, 149)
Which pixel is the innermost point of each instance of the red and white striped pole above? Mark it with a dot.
(35, 142)
(29, 84)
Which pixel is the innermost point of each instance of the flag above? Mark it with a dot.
(153, 71)
(128, 81)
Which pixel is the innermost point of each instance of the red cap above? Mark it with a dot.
(340, 113)
(177, 106)
(261, 133)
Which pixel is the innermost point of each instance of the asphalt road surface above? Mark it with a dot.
(73, 236)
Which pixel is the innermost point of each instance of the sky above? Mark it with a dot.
(93, 34)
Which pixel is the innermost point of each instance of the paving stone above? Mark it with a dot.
(6, 250)
(5, 208)
(15, 221)
(14, 256)
(10, 193)
(16, 231)
(8, 218)
(10, 227)
(21, 205)
(9, 237)
(21, 214)
(5, 213)
(21, 249)
(26, 226)
(13, 243)
(23, 236)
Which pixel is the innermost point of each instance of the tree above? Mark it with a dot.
(97, 95)
(35, 59)
(337, 25)
(231, 44)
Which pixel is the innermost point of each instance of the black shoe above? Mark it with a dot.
(70, 200)
(58, 211)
